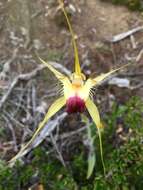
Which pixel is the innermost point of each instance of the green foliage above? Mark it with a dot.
(43, 169)
(123, 150)
(131, 4)
(123, 158)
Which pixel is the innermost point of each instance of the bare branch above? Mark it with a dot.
(46, 131)
(124, 35)
(20, 77)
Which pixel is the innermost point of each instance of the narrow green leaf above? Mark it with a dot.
(91, 163)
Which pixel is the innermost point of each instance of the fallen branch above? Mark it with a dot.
(139, 74)
(138, 58)
(60, 67)
(124, 35)
(69, 134)
(10, 126)
(20, 77)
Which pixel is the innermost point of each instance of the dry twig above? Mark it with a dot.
(20, 77)
(46, 131)
(124, 35)
(28, 76)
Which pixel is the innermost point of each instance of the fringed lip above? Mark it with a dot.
(75, 104)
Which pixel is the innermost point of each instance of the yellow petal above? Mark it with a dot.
(77, 64)
(93, 111)
(55, 107)
(84, 91)
(101, 77)
(68, 89)
(59, 75)
(67, 86)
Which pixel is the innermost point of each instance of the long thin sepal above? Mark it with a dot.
(77, 64)
(93, 111)
(57, 74)
(55, 107)
(101, 77)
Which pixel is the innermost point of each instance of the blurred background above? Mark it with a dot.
(109, 34)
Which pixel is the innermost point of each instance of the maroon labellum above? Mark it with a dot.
(75, 104)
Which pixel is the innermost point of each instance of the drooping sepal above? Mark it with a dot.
(54, 108)
(94, 113)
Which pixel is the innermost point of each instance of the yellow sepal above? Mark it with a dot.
(93, 111)
(77, 64)
(55, 107)
(57, 74)
(101, 77)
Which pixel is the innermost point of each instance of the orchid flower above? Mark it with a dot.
(77, 93)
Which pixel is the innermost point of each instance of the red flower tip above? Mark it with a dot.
(75, 104)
